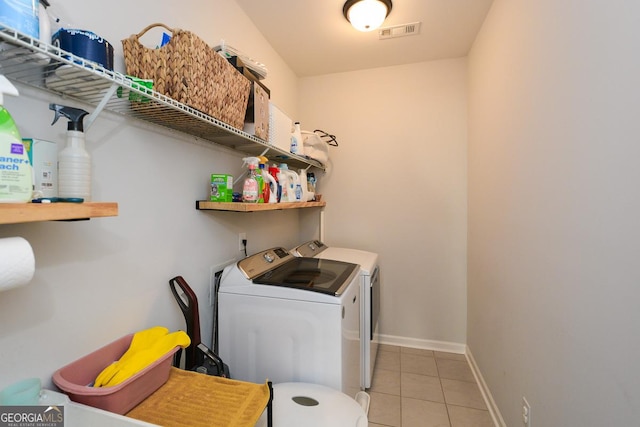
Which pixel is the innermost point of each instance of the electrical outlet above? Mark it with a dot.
(241, 237)
(526, 413)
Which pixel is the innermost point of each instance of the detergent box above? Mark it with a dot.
(43, 156)
(221, 187)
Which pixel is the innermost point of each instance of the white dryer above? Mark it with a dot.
(369, 296)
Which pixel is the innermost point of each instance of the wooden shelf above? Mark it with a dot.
(255, 207)
(14, 213)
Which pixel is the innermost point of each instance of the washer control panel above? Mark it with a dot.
(264, 261)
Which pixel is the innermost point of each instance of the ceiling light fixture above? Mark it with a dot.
(366, 15)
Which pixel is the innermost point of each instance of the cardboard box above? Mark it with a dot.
(256, 119)
(256, 122)
(221, 187)
(43, 156)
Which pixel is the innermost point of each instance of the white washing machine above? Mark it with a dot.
(290, 319)
(370, 296)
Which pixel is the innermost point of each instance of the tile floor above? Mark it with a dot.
(424, 388)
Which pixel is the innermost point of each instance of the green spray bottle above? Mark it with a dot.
(16, 176)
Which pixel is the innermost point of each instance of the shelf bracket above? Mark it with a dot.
(96, 112)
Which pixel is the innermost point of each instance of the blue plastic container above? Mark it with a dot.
(21, 15)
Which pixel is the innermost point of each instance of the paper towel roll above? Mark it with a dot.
(17, 263)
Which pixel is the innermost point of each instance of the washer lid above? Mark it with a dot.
(311, 274)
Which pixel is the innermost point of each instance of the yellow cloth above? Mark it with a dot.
(198, 400)
(146, 347)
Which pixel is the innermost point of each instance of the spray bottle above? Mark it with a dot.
(16, 176)
(251, 186)
(74, 163)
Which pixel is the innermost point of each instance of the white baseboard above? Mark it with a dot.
(486, 393)
(449, 347)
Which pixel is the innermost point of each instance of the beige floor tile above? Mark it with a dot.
(386, 381)
(419, 351)
(422, 413)
(376, 425)
(421, 387)
(452, 356)
(389, 347)
(384, 409)
(388, 360)
(417, 364)
(462, 393)
(468, 417)
(455, 370)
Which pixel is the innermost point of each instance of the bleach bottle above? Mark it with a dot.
(283, 181)
(16, 176)
(74, 162)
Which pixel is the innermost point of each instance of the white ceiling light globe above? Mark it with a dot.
(367, 15)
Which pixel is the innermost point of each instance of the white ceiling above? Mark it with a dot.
(314, 38)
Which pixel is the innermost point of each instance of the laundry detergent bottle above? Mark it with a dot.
(296, 140)
(16, 176)
(283, 181)
(307, 196)
(270, 190)
(274, 172)
(74, 162)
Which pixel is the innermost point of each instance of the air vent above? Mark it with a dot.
(403, 30)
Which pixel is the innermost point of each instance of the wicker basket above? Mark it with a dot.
(191, 72)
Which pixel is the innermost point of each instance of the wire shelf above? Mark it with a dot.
(50, 68)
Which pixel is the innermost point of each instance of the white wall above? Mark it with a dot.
(101, 279)
(397, 187)
(553, 210)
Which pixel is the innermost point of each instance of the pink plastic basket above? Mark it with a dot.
(75, 379)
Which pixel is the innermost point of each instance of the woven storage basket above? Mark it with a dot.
(191, 72)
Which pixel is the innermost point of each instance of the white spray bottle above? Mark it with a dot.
(74, 163)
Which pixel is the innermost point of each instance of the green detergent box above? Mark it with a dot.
(221, 187)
